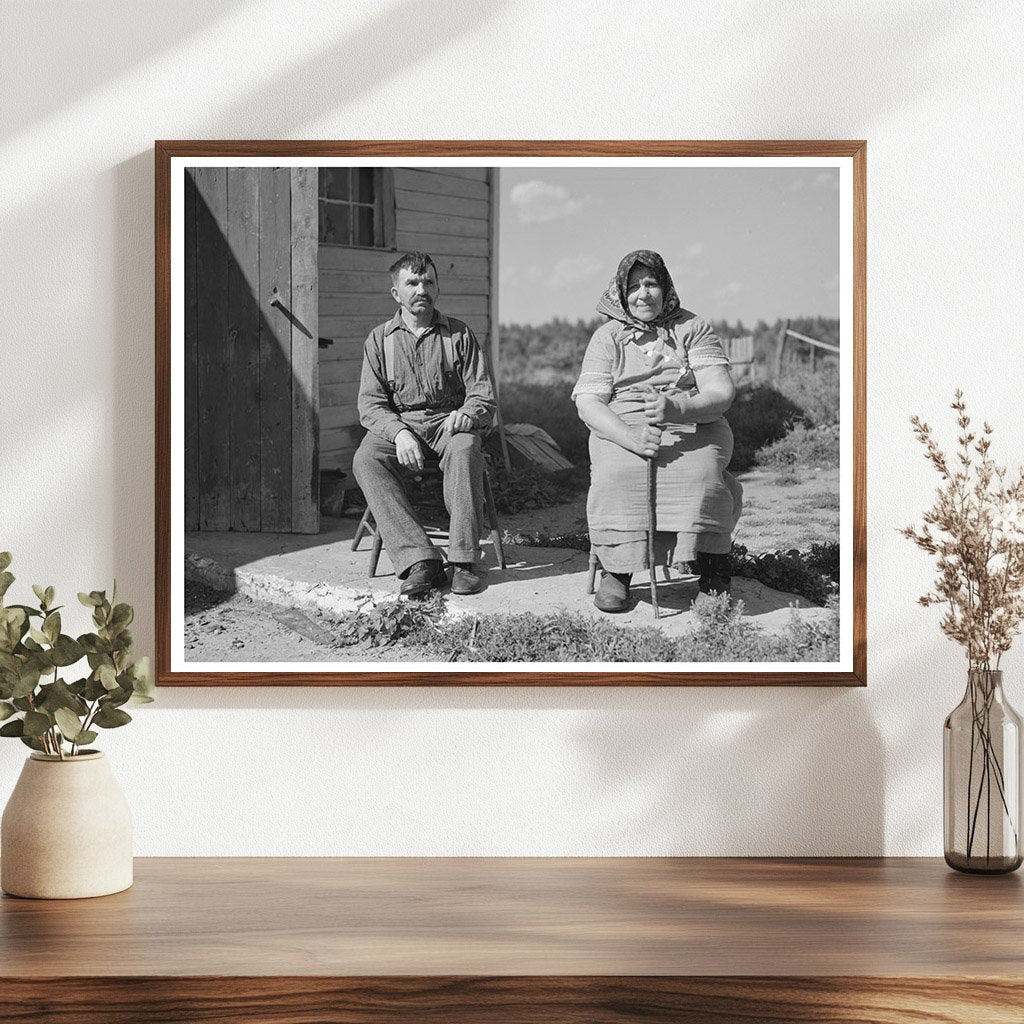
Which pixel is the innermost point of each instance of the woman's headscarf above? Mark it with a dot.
(614, 304)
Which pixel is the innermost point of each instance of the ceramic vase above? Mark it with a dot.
(66, 830)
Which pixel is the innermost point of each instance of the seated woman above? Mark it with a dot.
(654, 384)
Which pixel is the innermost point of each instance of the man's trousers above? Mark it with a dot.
(380, 477)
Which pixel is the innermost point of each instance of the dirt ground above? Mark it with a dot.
(234, 628)
(776, 516)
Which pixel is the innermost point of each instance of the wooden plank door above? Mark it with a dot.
(252, 389)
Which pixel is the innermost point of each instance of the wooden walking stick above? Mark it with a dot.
(651, 523)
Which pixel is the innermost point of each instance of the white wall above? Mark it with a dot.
(936, 88)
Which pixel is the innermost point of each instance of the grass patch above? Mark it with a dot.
(816, 394)
(803, 446)
(720, 633)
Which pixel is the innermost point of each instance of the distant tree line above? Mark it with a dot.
(553, 351)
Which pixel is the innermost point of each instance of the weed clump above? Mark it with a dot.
(720, 634)
(803, 447)
(812, 574)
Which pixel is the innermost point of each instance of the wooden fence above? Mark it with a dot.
(816, 349)
(741, 354)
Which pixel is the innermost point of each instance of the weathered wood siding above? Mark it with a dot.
(445, 212)
(252, 390)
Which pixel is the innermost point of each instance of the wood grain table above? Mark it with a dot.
(507, 940)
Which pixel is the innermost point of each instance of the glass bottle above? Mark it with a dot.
(981, 779)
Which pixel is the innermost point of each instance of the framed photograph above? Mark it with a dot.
(493, 413)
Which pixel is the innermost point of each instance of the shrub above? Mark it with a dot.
(811, 574)
(387, 622)
(759, 416)
(802, 446)
(816, 393)
(722, 634)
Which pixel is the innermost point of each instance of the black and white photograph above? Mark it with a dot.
(548, 415)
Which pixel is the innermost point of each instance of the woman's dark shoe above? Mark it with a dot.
(423, 577)
(613, 591)
(465, 578)
(715, 573)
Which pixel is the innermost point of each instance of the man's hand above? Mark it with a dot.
(457, 423)
(660, 409)
(409, 450)
(648, 440)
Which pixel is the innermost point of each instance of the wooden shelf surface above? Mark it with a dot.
(377, 938)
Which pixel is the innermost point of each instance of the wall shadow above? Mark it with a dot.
(116, 35)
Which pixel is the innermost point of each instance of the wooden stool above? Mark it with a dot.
(368, 525)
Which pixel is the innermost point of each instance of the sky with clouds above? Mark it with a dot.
(740, 243)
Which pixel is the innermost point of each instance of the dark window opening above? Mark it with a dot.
(356, 207)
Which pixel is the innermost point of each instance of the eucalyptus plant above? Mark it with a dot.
(46, 712)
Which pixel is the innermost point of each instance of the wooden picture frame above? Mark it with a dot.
(285, 167)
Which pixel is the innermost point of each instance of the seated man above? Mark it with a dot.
(424, 385)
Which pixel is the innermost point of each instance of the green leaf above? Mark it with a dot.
(115, 698)
(107, 676)
(36, 723)
(38, 636)
(9, 663)
(67, 651)
(86, 736)
(94, 689)
(89, 600)
(51, 626)
(28, 610)
(15, 728)
(27, 681)
(94, 644)
(6, 579)
(22, 703)
(69, 724)
(13, 626)
(142, 678)
(108, 718)
(31, 741)
(6, 710)
(40, 592)
(5, 560)
(50, 595)
(122, 616)
(59, 695)
(125, 641)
